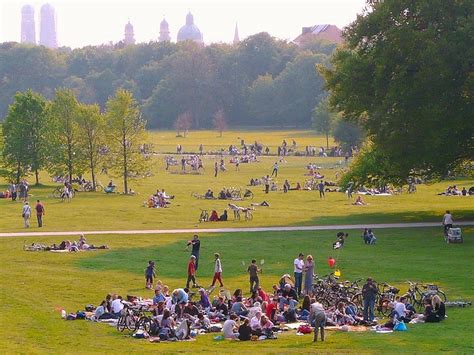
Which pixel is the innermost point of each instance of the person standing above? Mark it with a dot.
(308, 275)
(217, 271)
(369, 293)
(350, 186)
(192, 272)
(275, 169)
(39, 213)
(253, 271)
(26, 214)
(149, 274)
(321, 189)
(13, 191)
(196, 245)
(266, 180)
(298, 271)
(447, 221)
(216, 168)
(318, 315)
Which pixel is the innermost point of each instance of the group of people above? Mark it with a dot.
(66, 245)
(19, 191)
(454, 191)
(160, 199)
(26, 213)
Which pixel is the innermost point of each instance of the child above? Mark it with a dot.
(149, 274)
(217, 271)
(192, 272)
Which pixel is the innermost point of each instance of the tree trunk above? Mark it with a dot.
(92, 172)
(36, 177)
(18, 172)
(125, 165)
(327, 139)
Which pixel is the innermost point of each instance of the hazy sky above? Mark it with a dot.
(91, 22)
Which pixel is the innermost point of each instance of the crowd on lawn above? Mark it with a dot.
(66, 246)
(160, 199)
(263, 313)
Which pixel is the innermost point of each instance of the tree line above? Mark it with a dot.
(261, 81)
(68, 138)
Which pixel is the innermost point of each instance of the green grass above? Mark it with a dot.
(97, 211)
(35, 284)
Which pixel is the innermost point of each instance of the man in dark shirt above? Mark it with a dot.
(191, 310)
(288, 295)
(39, 212)
(321, 189)
(196, 244)
(222, 307)
(369, 293)
(253, 271)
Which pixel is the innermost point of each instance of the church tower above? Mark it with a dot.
(236, 35)
(48, 27)
(164, 32)
(28, 31)
(129, 35)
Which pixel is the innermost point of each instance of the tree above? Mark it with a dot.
(220, 121)
(23, 133)
(183, 123)
(91, 127)
(323, 119)
(347, 134)
(406, 75)
(125, 135)
(64, 136)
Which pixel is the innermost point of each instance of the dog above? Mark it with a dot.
(237, 209)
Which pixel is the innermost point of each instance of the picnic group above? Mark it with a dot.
(183, 313)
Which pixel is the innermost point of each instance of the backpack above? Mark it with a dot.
(305, 329)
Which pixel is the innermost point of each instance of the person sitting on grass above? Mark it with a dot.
(209, 195)
(230, 328)
(371, 237)
(256, 325)
(223, 217)
(359, 201)
(214, 216)
(245, 332)
(438, 307)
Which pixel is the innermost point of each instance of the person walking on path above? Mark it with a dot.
(196, 245)
(447, 221)
(149, 274)
(253, 271)
(26, 214)
(39, 213)
(317, 315)
(275, 169)
(321, 189)
(217, 271)
(298, 271)
(369, 292)
(308, 275)
(192, 272)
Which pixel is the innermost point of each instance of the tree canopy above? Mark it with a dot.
(407, 77)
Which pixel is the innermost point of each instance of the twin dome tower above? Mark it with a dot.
(47, 26)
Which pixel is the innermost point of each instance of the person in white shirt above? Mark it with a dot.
(255, 323)
(217, 271)
(230, 328)
(26, 214)
(298, 270)
(447, 221)
(117, 306)
(254, 310)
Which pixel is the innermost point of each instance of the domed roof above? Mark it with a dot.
(164, 24)
(47, 7)
(27, 9)
(128, 27)
(190, 31)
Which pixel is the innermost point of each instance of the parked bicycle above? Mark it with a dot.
(418, 293)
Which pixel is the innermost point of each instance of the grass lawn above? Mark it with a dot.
(98, 211)
(36, 284)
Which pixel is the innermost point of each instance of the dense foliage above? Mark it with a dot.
(261, 81)
(407, 76)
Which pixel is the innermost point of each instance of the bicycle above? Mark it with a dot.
(417, 297)
(127, 318)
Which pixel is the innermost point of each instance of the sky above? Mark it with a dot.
(95, 22)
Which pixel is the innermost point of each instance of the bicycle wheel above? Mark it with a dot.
(57, 192)
(441, 295)
(383, 307)
(121, 324)
(99, 188)
(143, 323)
(130, 322)
(358, 300)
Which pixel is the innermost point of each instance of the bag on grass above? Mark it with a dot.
(305, 329)
(400, 326)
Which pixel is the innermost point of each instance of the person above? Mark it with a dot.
(464, 191)
(209, 195)
(288, 297)
(39, 213)
(318, 316)
(217, 270)
(201, 149)
(371, 237)
(365, 236)
(230, 328)
(214, 216)
(239, 308)
(245, 332)
(359, 201)
(196, 245)
(26, 214)
(438, 307)
(117, 306)
(216, 169)
(275, 169)
(308, 275)
(223, 216)
(159, 296)
(149, 274)
(253, 271)
(447, 221)
(429, 314)
(192, 272)
(298, 264)
(255, 324)
(266, 180)
(400, 311)
(350, 186)
(321, 189)
(369, 292)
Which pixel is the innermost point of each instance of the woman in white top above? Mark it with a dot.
(217, 271)
(26, 214)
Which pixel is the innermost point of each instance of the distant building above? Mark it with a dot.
(164, 31)
(236, 35)
(190, 31)
(329, 33)
(129, 34)
(48, 36)
(28, 30)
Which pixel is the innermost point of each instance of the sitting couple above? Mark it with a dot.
(215, 217)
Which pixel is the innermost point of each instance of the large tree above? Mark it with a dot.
(24, 131)
(406, 75)
(125, 136)
(323, 119)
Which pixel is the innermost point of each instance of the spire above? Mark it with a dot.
(164, 31)
(129, 34)
(236, 35)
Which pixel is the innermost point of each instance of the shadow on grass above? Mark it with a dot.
(384, 217)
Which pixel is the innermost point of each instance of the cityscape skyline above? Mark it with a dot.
(216, 20)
